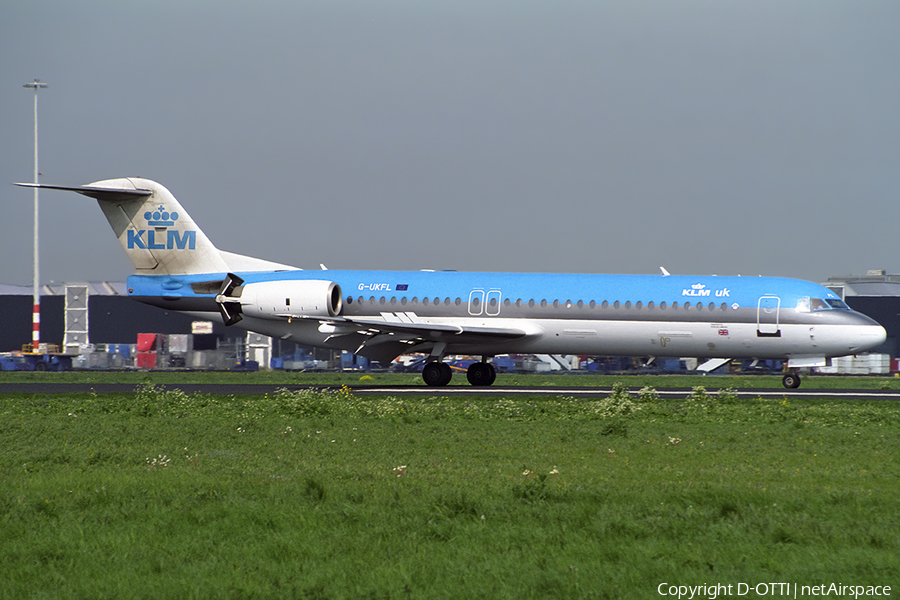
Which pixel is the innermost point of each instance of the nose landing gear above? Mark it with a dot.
(791, 381)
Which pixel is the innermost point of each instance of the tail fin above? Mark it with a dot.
(158, 235)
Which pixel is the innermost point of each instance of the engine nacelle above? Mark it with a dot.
(279, 299)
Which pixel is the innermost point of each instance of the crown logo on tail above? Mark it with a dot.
(161, 217)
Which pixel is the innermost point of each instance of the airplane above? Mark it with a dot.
(383, 314)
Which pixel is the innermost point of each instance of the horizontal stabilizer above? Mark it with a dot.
(98, 193)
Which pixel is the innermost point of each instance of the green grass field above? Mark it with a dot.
(459, 379)
(310, 494)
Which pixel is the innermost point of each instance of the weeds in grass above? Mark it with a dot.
(648, 394)
(615, 427)
(533, 487)
(314, 490)
(727, 395)
(162, 461)
(304, 403)
(618, 404)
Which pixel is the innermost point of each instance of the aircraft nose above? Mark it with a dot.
(867, 337)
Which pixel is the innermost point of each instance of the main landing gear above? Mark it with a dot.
(438, 374)
(791, 381)
(481, 374)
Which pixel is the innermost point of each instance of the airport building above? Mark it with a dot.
(99, 322)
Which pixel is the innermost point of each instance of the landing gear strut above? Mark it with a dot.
(791, 381)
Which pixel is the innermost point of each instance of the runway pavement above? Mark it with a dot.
(43, 388)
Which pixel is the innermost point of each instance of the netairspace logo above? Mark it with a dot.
(777, 589)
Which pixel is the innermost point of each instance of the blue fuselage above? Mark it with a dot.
(703, 316)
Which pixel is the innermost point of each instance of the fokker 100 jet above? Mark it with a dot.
(382, 314)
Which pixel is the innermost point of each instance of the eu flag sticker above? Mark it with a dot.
(402, 287)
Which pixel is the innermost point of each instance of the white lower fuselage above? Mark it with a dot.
(627, 338)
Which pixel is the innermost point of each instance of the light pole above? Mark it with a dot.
(36, 319)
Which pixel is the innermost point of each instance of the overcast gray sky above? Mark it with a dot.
(718, 137)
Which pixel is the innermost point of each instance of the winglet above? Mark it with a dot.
(664, 272)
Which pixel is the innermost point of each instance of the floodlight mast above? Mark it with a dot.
(36, 318)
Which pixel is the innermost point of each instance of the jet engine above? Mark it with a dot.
(278, 299)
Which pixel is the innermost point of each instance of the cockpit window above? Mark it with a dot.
(817, 304)
(835, 303)
(812, 304)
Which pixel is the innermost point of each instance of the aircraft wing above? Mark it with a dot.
(430, 330)
(399, 327)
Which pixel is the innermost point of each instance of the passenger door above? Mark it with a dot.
(767, 313)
